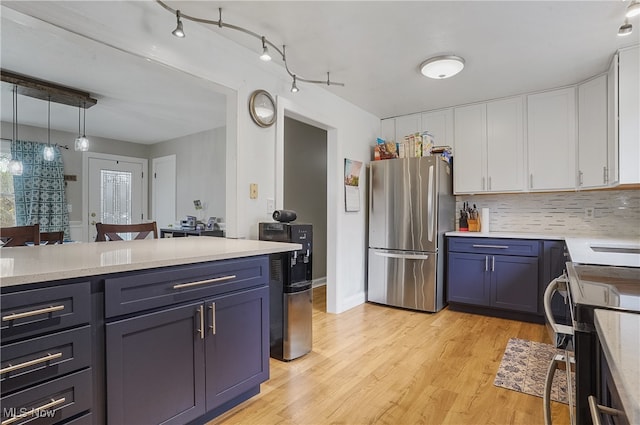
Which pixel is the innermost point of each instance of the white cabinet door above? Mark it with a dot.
(440, 125)
(612, 122)
(505, 145)
(407, 125)
(469, 162)
(388, 129)
(592, 133)
(629, 113)
(551, 130)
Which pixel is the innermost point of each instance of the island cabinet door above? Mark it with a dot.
(514, 282)
(155, 367)
(468, 278)
(237, 344)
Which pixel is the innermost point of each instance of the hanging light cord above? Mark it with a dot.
(49, 123)
(221, 24)
(15, 112)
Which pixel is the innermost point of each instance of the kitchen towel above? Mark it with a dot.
(484, 220)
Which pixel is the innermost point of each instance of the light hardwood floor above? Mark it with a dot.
(381, 365)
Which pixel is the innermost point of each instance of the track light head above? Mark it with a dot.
(633, 9)
(625, 29)
(265, 56)
(294, 87)
(178, 32)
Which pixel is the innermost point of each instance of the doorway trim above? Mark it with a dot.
(288, 108)
(155, 189)
(85, 184)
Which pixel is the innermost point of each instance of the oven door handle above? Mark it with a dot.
(557, 284)
(557, 360)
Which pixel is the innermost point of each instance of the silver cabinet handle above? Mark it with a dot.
(604, 175)
(430, 214)
(203, 282)
(490, 246)
(31, 362)
(403, 256)
(35, 411)
(493, 263)
(489, 187)
(596, 408)
(483, 183)
(212, 307)
(15, 316)
(201, 318)
(486, 263)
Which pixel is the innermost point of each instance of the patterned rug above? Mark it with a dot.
(524, 368)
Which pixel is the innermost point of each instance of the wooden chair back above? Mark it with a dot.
(20, 235)
(111, 232)
(52, 238)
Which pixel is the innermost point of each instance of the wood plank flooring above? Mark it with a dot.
(380, 365)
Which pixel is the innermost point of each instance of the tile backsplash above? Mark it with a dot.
(616, 212)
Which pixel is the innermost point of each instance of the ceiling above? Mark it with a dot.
(374, 47)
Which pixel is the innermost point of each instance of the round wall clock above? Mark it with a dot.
(262, 108)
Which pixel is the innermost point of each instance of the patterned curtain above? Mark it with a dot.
(39, 191)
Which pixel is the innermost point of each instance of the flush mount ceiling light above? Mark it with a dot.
(265, 56)
(440, 67)
(625, 29)
(633, 9)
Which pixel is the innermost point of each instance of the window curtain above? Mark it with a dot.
(39, 191)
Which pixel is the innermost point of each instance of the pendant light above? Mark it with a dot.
(48, 152)
(82, 143)
(15, 166)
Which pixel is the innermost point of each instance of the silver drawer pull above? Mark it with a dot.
(31, 363)
(491, 246)
(596, 408)
(15, 316)
(204, 282)
(35, 411)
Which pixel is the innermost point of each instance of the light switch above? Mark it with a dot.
(253, 191)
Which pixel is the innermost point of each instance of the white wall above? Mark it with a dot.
(144, 28)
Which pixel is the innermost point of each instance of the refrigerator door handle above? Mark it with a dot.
(370, 190)
(402, 256)
(430, 213)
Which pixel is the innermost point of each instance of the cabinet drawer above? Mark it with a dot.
(49, 403)
(162, 287)
(37, 359)
(499, 246)
(39, 311)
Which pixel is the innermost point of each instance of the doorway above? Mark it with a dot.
(115, 190)
(163, 190)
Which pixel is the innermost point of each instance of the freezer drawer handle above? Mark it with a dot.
(204, 282)
(596, 408)
(490, 246)
(30, 363)
(35, 411)
(403, 256)
(15, 316)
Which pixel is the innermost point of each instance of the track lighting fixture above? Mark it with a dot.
(633, 9)
(82, 143)
(265, 56)
(48, 153)
(178, 32)
(625, 29)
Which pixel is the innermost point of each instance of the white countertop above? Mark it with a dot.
(29, 264)
(581, 251)
(505, 235)
(619, 335)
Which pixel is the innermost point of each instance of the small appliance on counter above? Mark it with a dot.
(290, 292)
(188, 223)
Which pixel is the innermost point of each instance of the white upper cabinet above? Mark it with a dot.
(592, 133)
(551, 130)
(612, 122)
(505, 145)
(489, 147)
(469, 160)
(629, 115)
(406, 125)
(440, 125)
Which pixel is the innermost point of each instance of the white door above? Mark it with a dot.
(163, 173)
(115, 192)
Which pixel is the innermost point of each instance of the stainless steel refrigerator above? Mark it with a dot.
(411, 206)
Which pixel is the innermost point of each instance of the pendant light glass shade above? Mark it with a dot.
(441, 67)
(48, 152)
(82, 143)
(15, 167)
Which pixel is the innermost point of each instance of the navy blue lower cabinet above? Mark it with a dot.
(156, 367)
(514, 283)
(236, 345)
(468, 278)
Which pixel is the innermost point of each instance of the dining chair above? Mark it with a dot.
(111, 232)
(20, 235)
(52, 238)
